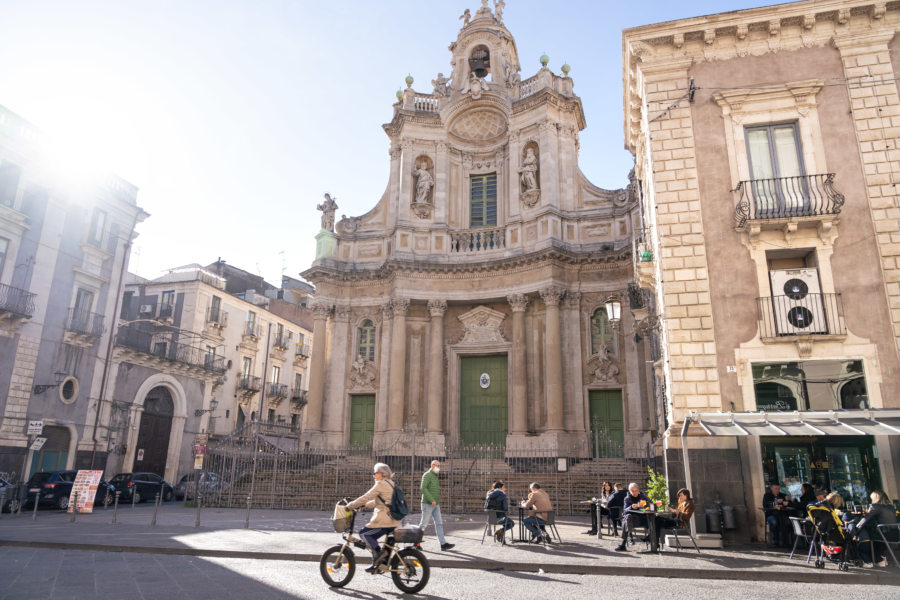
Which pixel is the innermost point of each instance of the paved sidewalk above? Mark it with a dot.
(303, 535)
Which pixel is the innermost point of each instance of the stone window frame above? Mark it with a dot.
(497, 216)
(614, 345)
(358, 339)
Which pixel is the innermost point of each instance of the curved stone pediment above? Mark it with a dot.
(482, 326)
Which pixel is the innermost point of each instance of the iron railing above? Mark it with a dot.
(299, 396)
(163, 343)
(813, 314)
(16, 300)
(165, 311)
(251, 329)
(277, 390)
(303, 350)
(250, 384)
(784, 197)
(84, 322)
(216, 316)
(477, 240)
(281, 342)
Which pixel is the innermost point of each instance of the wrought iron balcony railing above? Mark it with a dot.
(281, 342)
(298, 397)
(784, 197)
(16, 300)
(216, 316)
(477, 240)
(303, 350)
(165, 311)
(163, 343)
(250, 384)
(251, 329)
(277, 390)
(813, 314)
(84, 322)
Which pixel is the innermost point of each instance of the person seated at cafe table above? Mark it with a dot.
(807, 497)
(606, 492)
(539, 503)
(773, 501)
(881, 512)
(633, 499)
(681, 514)
(498, 501)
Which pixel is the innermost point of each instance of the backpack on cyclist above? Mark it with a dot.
(398, 506)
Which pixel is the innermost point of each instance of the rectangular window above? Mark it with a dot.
(84, 301)
(214, 309)
(298, 379)
(271, 416)
(776, 167)
(4, 248)
(810, 385)
(9, 183)
(127, 298)
(168, 303)
(159, 349)
(276, 373)
(247, 367)
(483, 200)
(98, 224)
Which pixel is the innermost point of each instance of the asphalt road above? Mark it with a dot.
(75, 574)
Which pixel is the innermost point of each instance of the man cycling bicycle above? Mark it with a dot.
(381, 522)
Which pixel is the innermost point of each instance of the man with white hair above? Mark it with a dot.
(431, 498)
(630, 521)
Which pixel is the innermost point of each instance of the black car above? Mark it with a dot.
(53, 488)
(142, 486)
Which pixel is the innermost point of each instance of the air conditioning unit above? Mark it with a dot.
(797, 302)
(146, 309)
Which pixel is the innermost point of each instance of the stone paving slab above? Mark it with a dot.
(303, 535)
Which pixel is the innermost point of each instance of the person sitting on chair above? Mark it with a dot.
(807, 497)
(880, 513)
(630, 521)
(498, 501)
(539, 503)
(681, 515)
(606, 492)
(615, 503)
(773, 501)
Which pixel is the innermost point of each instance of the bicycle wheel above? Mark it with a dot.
(337, 567)
(410, 575)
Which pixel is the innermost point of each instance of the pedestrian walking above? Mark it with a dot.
(431, 503)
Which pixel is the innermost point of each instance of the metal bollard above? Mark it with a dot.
(37, 496)
(199, 498)
(3, 502)
(116, 507)
(134, 493)
(155, 508)
(247, 520)
(74, 507)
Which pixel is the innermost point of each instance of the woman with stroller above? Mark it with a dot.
(497, 500)
(381, 523)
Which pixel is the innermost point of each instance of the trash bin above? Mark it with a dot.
(730, 519)
(712, 521)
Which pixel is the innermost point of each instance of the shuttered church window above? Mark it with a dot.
(366, 346)
(483, 200)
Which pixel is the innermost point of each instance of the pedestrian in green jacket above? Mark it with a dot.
(431, 498)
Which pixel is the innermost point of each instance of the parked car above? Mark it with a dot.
(55, 487)
(8, 491)
(142, 486)
(209, 482)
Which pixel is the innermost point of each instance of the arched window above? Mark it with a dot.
(601, 333)
(366, 345)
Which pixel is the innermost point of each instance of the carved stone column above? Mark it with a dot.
(397, 389)
(317, 368)
(434, 413)
(382, 404)
(572, 362)
(333, 420)
(519, 408)
(553, 358)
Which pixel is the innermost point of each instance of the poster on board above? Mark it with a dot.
(85, 486)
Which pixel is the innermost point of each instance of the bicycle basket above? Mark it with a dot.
(341, 518)
(408, 535)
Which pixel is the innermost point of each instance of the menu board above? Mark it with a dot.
(85, 487)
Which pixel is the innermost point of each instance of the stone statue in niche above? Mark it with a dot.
(476, 86)
(328, 208)
(440, 85)
(466, 17)
(424, 182)
(528, 177)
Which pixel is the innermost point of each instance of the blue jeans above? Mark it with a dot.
(535, 525)
(773, 523)
(430, 512)
(506, 522)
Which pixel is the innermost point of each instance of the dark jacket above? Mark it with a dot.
(617, 499)
(805, 500)
(497, 500)
(880, 514)
(769, 500)
(630, 500)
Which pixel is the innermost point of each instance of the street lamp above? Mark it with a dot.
(613, 311)
(213, 405)
(59, 375)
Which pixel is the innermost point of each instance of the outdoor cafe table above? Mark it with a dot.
(783, 514)
(651, 524)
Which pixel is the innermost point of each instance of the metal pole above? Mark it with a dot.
(199, 496)
(155, 508)
(134, 493)
(3, 503)
(247, 518)
(116, 507)
(74, 507)
(687, 465)
(37, 496)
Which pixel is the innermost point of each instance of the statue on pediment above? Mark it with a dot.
(328, 208)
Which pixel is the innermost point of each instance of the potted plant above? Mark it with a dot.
(657, 488)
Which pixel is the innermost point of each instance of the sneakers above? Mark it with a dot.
(447, 546)
(866, 565)
(620, 548)
(881, 563)
(547, 539)
(499, 536)
(377, 562)
(590, 532)
(535, 540)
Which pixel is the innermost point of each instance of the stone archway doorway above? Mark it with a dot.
(156, 427)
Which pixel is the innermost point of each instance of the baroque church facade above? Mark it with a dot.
(468, 306)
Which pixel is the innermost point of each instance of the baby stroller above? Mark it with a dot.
(834, 542)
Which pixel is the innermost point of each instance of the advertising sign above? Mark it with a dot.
(85, 486)
(35, 427)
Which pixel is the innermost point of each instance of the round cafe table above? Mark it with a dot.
(651, 524)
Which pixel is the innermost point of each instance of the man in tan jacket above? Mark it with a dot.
(539, 503)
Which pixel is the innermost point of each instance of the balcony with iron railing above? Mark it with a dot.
(251, 330)
(281, 342)
(249, 384)
(84, 323)
(163, 344)
(803, 197)
(302, 351)
(16, 301)
(166, 311)
(216, 317)
(788, 317)
(277, 390)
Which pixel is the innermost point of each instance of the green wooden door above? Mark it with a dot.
(483, 400)
(607, 422)
(362, 420)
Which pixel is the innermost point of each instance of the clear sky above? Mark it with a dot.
(234, 117)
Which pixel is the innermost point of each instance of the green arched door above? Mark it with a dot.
(483, 400)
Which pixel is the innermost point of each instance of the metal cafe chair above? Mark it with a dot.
(893, 531)
(612, 520)
(803, 530)
(689, 533)
(551, 524)
(493, 521)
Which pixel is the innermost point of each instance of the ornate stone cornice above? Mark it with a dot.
(518, 302)
(551, 295)
(320, 310)
(437, 308)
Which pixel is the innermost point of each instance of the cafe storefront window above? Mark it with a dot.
(810, 385)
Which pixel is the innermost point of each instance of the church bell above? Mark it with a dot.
(480, 63)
